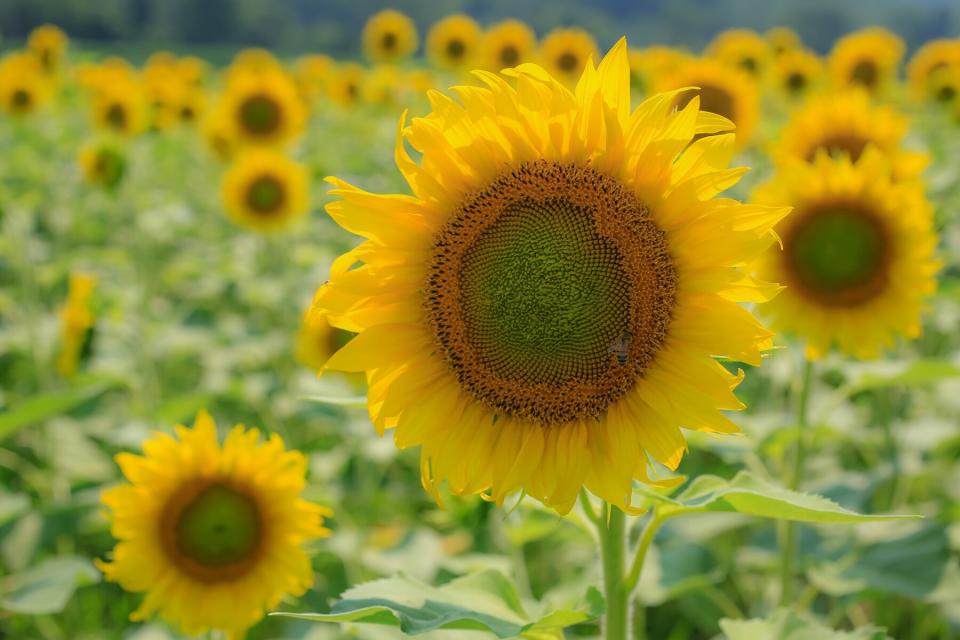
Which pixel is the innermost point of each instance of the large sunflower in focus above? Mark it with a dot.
(868, 58)
(931, 60)
(723, 90)
(265, 191)
(564, 53)
(741, 48)
(454, 42)
(846, 123)
(543, 312)
(857, 257)
(264, 107)
(507, 44)
(213, 534)
(389, 36)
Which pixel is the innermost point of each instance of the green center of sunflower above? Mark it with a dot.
(567, 62)
(388, 41)
(218, 527)
(456, 48)
(865, 73)
(946, 93)
(260, 115)
(117, 116)
(265, 194)
(796, 82)
(21, 99)
(838, 255)
(550, 292)
(509, 56)
(748, 63)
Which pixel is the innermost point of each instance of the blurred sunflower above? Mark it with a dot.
(454, 42)
(857, 256)
(722, 89)
(648, 66)
(944, 86)
(23, 87)
(103, 164)
(846, 123)
(191, 70)
(317, 340)
(507, 44)
(345, 83)
(868, 58)
(311, 74)
(213, 534)
(783, 40)
(218, 133)
(380, 84)
(265, 191)
(389, 36)
(564, 53)
(543, 313)
(190, 105)
(796, 73)
(264, 108)
(120, 109)
(252, 61)
(76, 323)
(741, 48)
(49, 43)
(932, 59)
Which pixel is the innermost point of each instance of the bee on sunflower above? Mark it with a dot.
(722, 89)
(858, 254)
(454, 42)
(868, 59)
(76, 323)
(103, 164)
(23, 87)
(796, 74)
(389, 36)
(507, 44)
(265, 191)
(564, 53)
(212, 533)
(49, 44)
(847, 123)
(542, 313)
(264, 107)
(741, 48)
(934, 59)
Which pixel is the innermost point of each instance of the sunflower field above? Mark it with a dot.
(494, 333)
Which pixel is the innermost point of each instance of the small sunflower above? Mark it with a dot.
(76, 323)
(795, 74)
(121, 109)
(213, 534)
(191, 70)
(741, 48)
(389, 36)
(723, 90)
(311, 74)
(858, 254)
(932, 59)
(944, 87)
(454, 42)
(252, 61)
(380, 84)
(23, 87)
(49, 43)
(783, 40)
(265, 191)
(317, 340)
(190, 104)
(345, 84)
(868, 58)
(507, 44)
(219, 134)
(846, 123)
(264, 107)
(542, 313)
(104, 164)
(564, 53)
(648, 66)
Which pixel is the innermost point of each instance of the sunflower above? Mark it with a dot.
(741, 48)
(543, 312)
(218, 133)
(311, 74)
(944, 86)
(120, 109)
(796, 73)
(857, 257)
(782, 40)
(191, 69)
(264, 107)
(389, 36)
(454, 41)
(930, 60)
(252, 61)
(867, 58)
(380, 84)
(507, 44)
(648, 66)
(103, 164)
(213, 534)
(49, 43)
(23, 87)
(345, 83)
(846, 123)
(317, 340)
(723, 90)
(265, 191)
(190, 104)
(564, 53)
(76, 323)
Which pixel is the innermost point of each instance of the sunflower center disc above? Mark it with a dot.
(865, 73)
(550, 292)
(117, 116)
(389, 41)
(838, 256)
(218, 527)
(456, 48)
(567, 62)
(265, 194)
(796, 82)
(509, 56)
(260, 115)
(712, 99)
(21, 99)
(851, 144)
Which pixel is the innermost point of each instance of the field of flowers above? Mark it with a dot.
(612, 342)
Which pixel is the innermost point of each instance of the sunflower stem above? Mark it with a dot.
(788, 547)
(613, 548)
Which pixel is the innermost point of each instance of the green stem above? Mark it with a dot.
(646, 539)
(613, 548)
(788, 547)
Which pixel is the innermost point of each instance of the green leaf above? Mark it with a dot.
(43, 406)
(789, 625)
(47, 587)
(12, 505)
(484, 601)
(750, 495)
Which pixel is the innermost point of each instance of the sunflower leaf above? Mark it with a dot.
(789, 625)
(43, 406)
(47, 587)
